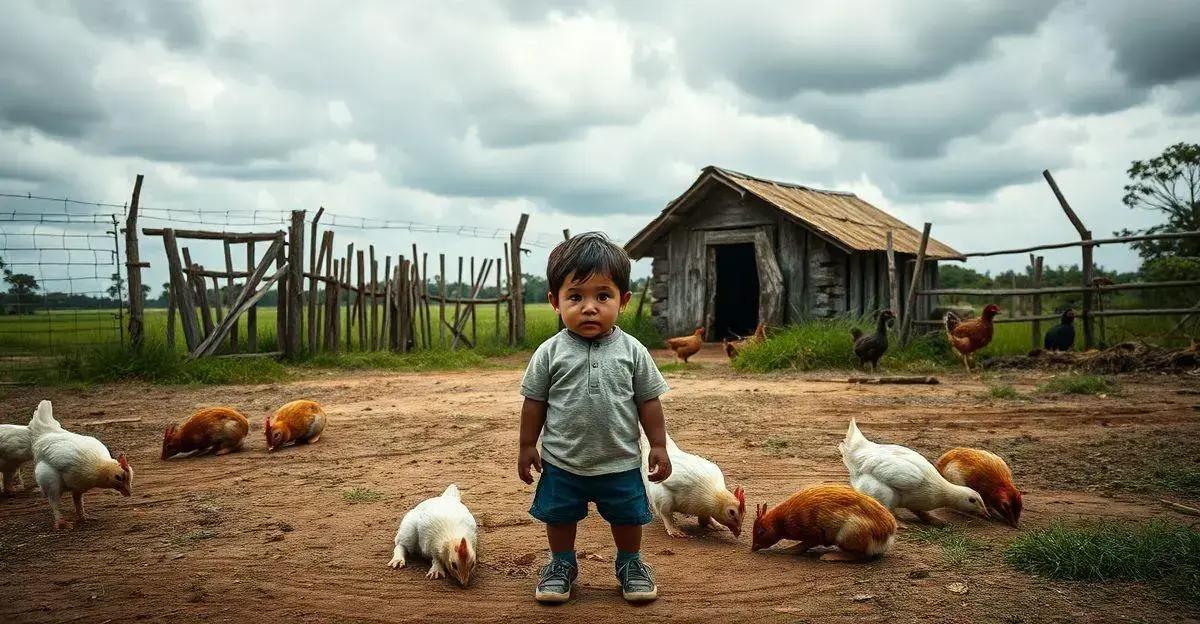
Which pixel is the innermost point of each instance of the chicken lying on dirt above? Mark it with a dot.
(828, 515)
(1061, 337)
(298, 421)
(733, 347)
(74, 463)
(15, 450)
(696, 487)
(870, 348)
(986, 473)
(686, 346)
(967, 337)
(442, 530)
(899, 477)
(216, 429)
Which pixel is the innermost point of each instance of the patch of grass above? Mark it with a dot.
(438, 359)
(1080, 384)
(1003, 391)
(775, 446)
(192, 536)
(827, 344)
(361, 495)
(678, 367)
(157, 364)
(956, 545)
(1163, 553)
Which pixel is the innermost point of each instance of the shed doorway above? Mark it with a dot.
(735, 303)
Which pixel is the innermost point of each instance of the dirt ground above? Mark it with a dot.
(305, 533)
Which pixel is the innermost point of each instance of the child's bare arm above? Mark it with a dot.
(533, 417)
(654, 424)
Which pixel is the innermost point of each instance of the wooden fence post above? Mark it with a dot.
(295, 321)
(229, 297)
(181, 290)
(910, 305)
(133, 269)
(518, 286)
(1089, 337)
(314, 268)
(1036, 261)
(893, 282)
(252, 313)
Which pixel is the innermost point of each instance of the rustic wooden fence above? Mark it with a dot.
(1092, 289)
(337, 304)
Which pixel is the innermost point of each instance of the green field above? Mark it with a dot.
(66, 339)
(66, 331)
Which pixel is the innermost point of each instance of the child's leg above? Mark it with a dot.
(628, 537)
(562, 541)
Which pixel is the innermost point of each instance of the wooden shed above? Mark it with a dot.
(734, 250)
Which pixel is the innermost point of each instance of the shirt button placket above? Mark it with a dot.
(594, 372)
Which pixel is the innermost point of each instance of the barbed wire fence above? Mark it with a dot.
(62, 289)
(64, 271)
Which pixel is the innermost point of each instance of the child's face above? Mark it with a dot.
(589, 308)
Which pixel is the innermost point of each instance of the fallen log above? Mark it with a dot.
(108, 421)
(903, 380)
(1183, 509)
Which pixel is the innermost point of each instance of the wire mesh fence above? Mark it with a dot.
(64, 271)
(63, 286)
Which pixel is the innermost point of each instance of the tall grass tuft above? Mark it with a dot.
(826, 343)
(1157, 551)
(438, 359)
(158, 364)
(1073, 383)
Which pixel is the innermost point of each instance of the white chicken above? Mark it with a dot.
(442, 530)
(899, 477)
(15, 450)
(696, 487)
(66, 461)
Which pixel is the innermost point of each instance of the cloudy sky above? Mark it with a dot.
(592, 115)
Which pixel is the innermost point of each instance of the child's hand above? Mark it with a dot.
(659, 464)
(528, 457)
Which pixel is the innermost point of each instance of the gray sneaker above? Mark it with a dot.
(555, 582)
(637, 581)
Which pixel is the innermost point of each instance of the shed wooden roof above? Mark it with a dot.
(843, 218)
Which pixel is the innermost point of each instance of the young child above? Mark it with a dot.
(586, 391)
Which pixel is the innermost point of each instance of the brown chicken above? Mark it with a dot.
(987, 474)
(686, 346)
(828, 515)
(733, 347)
(219, 430)
(298, 421)
(967, 337)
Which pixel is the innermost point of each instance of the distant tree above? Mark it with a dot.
(117, 287)
(1168, 183)
(21, 286)
(535, 288)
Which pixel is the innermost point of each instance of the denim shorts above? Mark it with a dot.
(562, 497)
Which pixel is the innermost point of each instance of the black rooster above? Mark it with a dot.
(1061, 337)
(871, 348)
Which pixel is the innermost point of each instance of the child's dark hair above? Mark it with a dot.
(585, 255)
